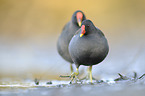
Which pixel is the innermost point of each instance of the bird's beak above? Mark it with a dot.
(81, 35)
(79, 22)
(83, 30)
(79, 16)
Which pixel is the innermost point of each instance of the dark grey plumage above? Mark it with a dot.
(68, 32)
(91, 48)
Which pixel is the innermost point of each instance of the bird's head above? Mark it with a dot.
(86, 27)
(78, 17)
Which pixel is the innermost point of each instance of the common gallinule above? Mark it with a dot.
(88, 47)
(67, 33)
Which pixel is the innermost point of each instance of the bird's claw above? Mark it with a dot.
(64, 76)
(74, 74)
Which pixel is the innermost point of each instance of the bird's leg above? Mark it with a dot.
(90, 75)
(71, 68)
(74, 75)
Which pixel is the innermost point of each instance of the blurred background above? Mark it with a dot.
(29, 30)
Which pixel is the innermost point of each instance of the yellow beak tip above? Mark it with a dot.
(81, 35)
(79, 23)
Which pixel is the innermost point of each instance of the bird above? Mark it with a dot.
(67, 33)
(88, 47)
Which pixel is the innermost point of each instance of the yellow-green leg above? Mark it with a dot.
(71, 68)
(90, 75)
(74, 75)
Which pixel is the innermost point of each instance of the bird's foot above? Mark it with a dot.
(67, 76)
(88, 80)
(74, 77)
(74, 74)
